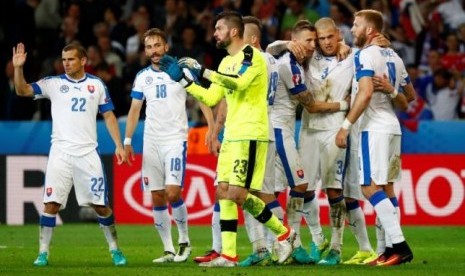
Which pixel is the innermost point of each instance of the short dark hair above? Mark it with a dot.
(155, 32)
(81, 51)
(301, 25)
(233, 20)
(252, 20)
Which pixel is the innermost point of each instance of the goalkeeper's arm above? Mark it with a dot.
(237, 82)
(210, 96)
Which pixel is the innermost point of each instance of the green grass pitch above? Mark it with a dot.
(79, 249)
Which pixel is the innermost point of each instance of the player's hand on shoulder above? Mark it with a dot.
(343, 51)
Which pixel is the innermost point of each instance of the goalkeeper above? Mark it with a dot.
(242, 80)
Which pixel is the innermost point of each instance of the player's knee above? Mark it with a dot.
(173, 197)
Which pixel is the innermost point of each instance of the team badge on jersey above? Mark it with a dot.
(148, 80)
(64, 89)
(146, 180)
(49, 191)
(300, 173)
(296, 79)
(91, 88)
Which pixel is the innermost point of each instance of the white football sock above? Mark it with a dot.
(162, 223)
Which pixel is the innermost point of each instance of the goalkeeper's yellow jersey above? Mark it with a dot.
(243, 80)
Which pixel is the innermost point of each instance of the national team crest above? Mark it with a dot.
(64, 89)
(49, 191)
(91, 88)
(300, 173)
(146, 180)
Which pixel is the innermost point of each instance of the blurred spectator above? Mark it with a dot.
(101, 29)
(189, 46)
(296, 10)
(461, 36)
(13, 107)
(411, 18)
(338, 13)
(322, 7)
(94, 59)
(118, 30)
(68, 34)
(268, 15)
(48, 20)
(443, 95)
(91, 12)
(404, 47)
(115, 85)
(451, 13)
(141, 25)
(419, 108)
(453, 59)
(109, 55)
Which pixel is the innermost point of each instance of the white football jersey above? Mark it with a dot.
(373, 60)
(273, 77)
(330, 81)
(74, 110)
(291, 82)
(166, 116)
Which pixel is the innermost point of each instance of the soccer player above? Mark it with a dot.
(400, 101)
(291, 91)
(330, 81)
(242, 79)
(165, 146)
(76, 97)
(261, 238)
(379, 149)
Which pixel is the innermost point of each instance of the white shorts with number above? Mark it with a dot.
(85, 172)
(379, 155)
(163, 165)
(351, 184)
(322, 158)
(289, 169)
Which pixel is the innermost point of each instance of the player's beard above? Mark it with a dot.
(223, 44)
(360, 40)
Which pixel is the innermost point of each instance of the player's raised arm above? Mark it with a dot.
(23, 88)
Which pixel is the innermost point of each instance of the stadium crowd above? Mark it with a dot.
(428, 35)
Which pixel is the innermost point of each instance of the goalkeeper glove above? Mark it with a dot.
(193, 65)
(169, 65)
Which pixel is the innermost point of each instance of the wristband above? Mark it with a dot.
(127, 141)
(343, 106)
(185, 82)
(393, 95)
(347, 125)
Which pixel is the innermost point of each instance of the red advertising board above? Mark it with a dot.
(431, 191)
(131, 205)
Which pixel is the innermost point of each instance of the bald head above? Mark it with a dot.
(328, 36)
(325, 23)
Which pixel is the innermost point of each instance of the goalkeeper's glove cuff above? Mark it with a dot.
(185, 81)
